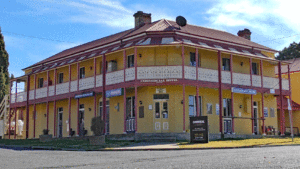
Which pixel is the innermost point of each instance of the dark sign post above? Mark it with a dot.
(199, 129)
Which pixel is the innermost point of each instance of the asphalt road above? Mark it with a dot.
(268, 157)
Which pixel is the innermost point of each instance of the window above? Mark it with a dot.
(161, 96)
(227, 107)
(41, 83)
(130, 61)
(272, 112)
(193, 59)
(82, 73)
(254, 69)
(101, 109)
(193, 106)
(60, 78)
(130, 107)
(226, 64)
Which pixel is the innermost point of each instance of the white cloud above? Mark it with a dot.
(267, 19)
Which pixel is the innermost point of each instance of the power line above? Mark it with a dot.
(37, 37)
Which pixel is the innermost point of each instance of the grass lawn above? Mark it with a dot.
(241, 143)
(65, 144)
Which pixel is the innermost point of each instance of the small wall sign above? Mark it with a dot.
(114, 92)
(84, 95)
(243, 91)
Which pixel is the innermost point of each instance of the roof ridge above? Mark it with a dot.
(158, 21)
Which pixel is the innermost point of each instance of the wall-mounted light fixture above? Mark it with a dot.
(241, 106)
(141, 102)
(181, 101)
(90, 109)
(140, 55)
(91, 67)
(242, 63)
(45, 115)
(117, 107)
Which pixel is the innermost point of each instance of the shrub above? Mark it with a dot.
(97, 126)
(45, 132)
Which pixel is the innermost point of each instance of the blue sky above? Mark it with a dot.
(61, 24)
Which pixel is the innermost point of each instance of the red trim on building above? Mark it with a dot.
(220, 93)
(34, 119)
(252, 115)
(282, 120)
(232, 94)
(183, 106)
(15, 134)
(54, 120)
(136, 107)
(27, 107)
(104, 90)
(70, 115)
(47, 115)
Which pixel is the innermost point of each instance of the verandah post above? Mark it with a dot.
(232, 94)
(103, 90)
(220, 95)
(281, 99)
(262, 97)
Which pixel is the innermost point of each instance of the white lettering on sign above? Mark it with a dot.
(199, 121)
(159, 80)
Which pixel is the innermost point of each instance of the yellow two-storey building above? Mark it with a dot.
(150, 80)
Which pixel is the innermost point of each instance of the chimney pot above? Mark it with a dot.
(141, 18)
(244, 33)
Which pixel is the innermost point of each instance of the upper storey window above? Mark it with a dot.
(82, 73)
(226, 64)
(193, 59)
(254, 69)
(41, 83)
(60, 78)
(130, 61)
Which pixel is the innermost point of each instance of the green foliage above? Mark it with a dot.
(97, 126)
(293, 51)
(4, 75)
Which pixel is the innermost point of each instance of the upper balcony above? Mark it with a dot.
(146, 65)
(152, 74)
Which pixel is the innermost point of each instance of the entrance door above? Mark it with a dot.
(161, 116)
(255, 116)
(60, 122)
(81, 120)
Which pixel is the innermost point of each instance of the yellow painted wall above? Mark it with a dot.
(269, 54)
(65, 71)
(296, 119)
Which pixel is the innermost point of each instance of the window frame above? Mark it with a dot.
(132, 106)
(60, 78)
(256, 72)
(128, 64)
(194, 105)
(82, 74)
(41, 85)
(227, 111)
(193, 61)
(224, 64)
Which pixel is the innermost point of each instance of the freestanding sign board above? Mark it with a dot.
(199, 129)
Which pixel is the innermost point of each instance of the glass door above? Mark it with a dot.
(255, 116)
(60, 122)
(161, 116)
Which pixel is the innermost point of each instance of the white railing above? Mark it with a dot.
(129, 74)
(115, 77)
(209, 75)
(226, 77)
(13, 98)
(62, 88)
(99, 80)
(190, 73)
(21, 97)
(51, 91)
(73, 86)
(86, 83)
(154, 72)
(159, 72)
(40, 93)
(271, 82)
(256, 80)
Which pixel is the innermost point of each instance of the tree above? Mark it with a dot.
(293, 51)
(4, 81)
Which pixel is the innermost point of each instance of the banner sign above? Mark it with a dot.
(114, 92)
(84, 95)
(199, 129)
(243, 91)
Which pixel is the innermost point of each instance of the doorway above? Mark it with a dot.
(255, 116)
(60, 122)
(161, 116)
(81, 120)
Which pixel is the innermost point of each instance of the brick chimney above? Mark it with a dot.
(245, 34)
(141, 18)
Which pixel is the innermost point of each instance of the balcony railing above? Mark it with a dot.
(152, 73)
